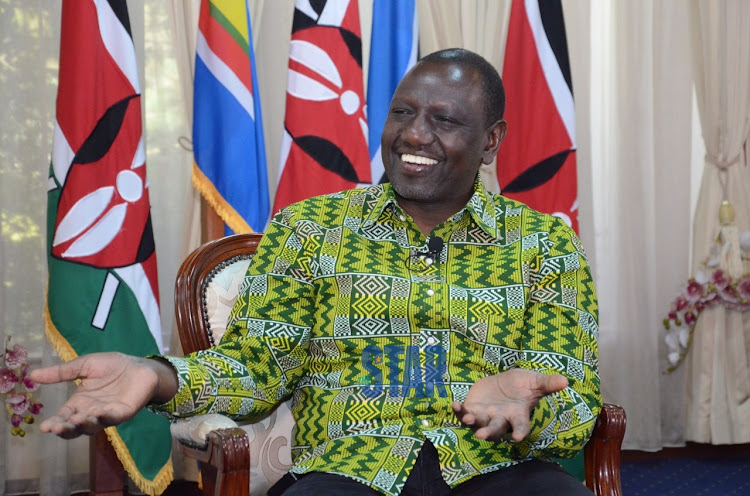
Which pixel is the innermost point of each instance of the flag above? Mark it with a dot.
(537, 161)
(230, 155)
(324, 144)
(102, 291)
(393, 51)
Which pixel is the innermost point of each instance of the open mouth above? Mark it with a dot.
(416, 163)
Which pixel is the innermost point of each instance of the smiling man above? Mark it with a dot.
(435, 338)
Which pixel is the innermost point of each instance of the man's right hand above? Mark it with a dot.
(113, 388)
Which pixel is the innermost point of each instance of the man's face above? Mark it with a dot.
(436, 137)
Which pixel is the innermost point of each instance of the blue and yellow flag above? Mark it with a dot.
(230, 155)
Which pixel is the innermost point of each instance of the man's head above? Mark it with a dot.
(445, 120)
(493, 91)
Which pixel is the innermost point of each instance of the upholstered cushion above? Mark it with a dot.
(221, 292)
(270, 446)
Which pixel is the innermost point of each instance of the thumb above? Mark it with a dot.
(548, 384)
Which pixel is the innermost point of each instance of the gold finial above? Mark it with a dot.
(726, 213)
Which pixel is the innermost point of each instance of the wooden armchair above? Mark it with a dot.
(207, 285)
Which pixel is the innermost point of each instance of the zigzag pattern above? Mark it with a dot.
(335, 274)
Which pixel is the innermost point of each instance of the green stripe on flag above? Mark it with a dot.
(227, 25)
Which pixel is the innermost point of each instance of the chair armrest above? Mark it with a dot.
(222, 449)
(603, 452)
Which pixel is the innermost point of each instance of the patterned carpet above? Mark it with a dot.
(687, 477)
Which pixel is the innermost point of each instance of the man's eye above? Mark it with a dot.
(398, 111)
(442, 118)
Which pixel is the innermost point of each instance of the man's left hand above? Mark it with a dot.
(503, 402)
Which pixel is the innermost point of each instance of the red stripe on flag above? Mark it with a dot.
(87, 74)
(536, 130)
(225, 47)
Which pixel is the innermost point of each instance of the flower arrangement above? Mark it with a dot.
(16, 386)
(711, 286)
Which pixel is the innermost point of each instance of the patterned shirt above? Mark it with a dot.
(374, 332)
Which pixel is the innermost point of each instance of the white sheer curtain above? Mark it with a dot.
(640, 136)
(28, 83)
(718, 402)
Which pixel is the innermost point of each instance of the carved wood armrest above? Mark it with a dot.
(603, 452)
(224, 459)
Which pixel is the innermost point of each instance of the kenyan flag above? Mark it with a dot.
(102, 292)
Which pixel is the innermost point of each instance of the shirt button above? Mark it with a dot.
(425, 423)
(401, 217)
(431, 340)
(429, 261)
(430, 292)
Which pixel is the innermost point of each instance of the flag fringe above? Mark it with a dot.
(152, 487)
(225, 211)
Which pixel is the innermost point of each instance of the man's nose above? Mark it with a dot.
(418, 131)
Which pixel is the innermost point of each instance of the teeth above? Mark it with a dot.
(414, 159)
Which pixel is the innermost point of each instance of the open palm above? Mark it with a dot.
(113, 387)
(502, 403)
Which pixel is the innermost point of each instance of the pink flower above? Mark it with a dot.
(699, 307)
(18, 402)
(689, 318)
(8, 380)
(729, 295)
(680, 303)
(744, 287)
(35, 408)
(16, 357)
(720, 279)
(29, 384)
(672, 315)
(16, 420)
(693, 291)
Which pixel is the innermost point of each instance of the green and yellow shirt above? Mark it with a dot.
(345, 309)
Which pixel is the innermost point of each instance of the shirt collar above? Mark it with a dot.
(480, 207)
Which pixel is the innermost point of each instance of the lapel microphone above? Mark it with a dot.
(435, 246)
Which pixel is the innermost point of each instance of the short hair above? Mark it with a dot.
(493, 92)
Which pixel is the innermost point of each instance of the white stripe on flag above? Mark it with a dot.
(105, 301)
(62, 154)
(552, 73)
(225, 75)
(135, 277)
(118, 42)
(333, 12)
(286, 147)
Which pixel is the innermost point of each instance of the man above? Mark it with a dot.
(435, 338)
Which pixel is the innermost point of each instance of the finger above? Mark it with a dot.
(86, 424)
(548, 384)
(520, 427)
(59, 427)
(495, 430)
(59, 373)
(463, 414)
(481, 419)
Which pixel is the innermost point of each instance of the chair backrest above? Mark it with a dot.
(207, 286)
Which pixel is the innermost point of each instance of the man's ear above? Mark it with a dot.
(496, 134)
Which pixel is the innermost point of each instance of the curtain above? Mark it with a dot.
(718, 399)
(28, 75)
(640, 123)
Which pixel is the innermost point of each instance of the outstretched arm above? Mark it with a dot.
(113, 388)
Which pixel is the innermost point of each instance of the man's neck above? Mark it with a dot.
(427, 216)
